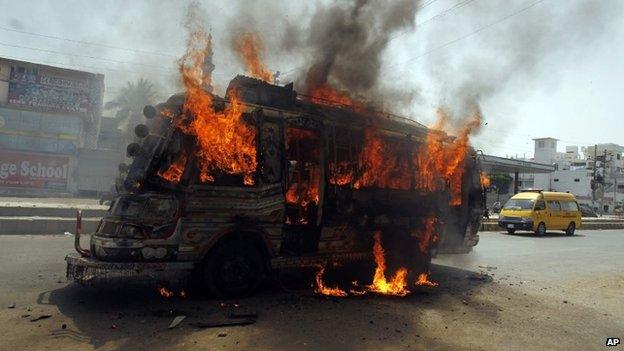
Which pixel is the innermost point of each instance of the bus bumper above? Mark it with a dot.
(87, 270)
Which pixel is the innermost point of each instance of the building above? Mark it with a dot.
(601, 165)
(98, 167)
(49, 116)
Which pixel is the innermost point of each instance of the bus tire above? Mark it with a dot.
(233, 269)
(541, 229)
(571, 228)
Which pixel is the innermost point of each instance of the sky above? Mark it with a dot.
(540, 68)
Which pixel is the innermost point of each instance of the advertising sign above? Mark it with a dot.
(49, 93)
(39, 132)
(22, 170)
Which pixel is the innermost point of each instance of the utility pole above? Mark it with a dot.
(614, 172)
(603, 178)
(593, 182)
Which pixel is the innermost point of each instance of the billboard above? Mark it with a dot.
(50, 93)
(39, 132)
(23, 170)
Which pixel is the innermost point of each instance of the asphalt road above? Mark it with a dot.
(554, 292)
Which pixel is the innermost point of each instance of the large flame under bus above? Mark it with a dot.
(296, 183)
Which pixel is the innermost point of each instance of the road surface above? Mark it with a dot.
(554, 292)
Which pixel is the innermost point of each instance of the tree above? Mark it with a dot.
(501, 181)
(130, 102)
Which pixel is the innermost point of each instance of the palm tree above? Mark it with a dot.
(130, 102)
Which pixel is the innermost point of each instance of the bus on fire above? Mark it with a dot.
(228, 191)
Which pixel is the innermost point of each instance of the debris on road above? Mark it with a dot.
(40, 317)
(488, 267)
(176, 321)
(480, 277)
(224, 323)
(228, 304)
(246, 315)
(221, 335)
(11, 305)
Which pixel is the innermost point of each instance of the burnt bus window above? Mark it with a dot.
(160, 208)
(341, 157)
(303, 153)
(398, 163)
(128, 206)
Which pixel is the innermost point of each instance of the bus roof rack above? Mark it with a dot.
(531, 190)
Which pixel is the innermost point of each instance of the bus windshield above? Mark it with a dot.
(140, 206)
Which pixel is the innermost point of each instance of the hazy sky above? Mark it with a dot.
(540, 67)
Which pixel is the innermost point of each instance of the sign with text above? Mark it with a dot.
(39, 132)
(23, 170)
(49, 93)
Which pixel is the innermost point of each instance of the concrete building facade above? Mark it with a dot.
(577, 169)
(47, 116)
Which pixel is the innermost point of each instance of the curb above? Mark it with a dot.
(493, 227)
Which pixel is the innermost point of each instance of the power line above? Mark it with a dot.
(477, 31)
(438, 15)
(82, 56)
(86, 42)
(73, 66)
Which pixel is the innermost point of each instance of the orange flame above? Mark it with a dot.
(445, 157)
(381, 163)
(324, 290)
(249, 47)
(326, 95)
(428, 235)
(397, 284)
(340, 174)
(175, 170)
(225, 143)
(485, 180)
(164, 292)
(303, 189)
(423, 280)
(167, 113)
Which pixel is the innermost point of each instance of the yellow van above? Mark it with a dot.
(538, 211)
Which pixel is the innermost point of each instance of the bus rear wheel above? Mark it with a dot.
(571, 229)
(233, 269)
(541, 229)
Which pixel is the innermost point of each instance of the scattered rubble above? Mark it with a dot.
(246, 315)
(40, 317)
(224, 323)
(176, 321)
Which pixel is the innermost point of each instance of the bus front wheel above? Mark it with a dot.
(233, 269)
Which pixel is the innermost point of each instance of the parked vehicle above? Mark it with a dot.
(496, 207)
(587, 211)
(539, 211)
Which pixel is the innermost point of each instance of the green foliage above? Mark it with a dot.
(502, 181)
(130, 101)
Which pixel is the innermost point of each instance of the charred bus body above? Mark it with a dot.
(308, 203)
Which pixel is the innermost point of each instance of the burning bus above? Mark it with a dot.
(229, 190)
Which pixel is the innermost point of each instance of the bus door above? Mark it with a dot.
(303, 195)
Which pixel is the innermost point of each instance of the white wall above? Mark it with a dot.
(576, 182)
(5, 73)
